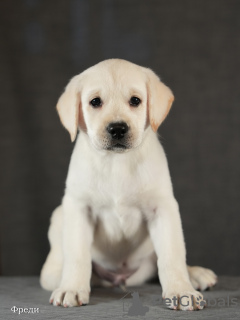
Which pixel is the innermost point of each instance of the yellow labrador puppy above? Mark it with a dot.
(119, 222)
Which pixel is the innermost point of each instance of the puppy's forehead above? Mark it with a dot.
(114, 77)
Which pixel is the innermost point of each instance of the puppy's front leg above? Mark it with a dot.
(167, 237)
(77, 239)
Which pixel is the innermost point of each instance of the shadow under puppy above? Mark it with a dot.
(118, 216)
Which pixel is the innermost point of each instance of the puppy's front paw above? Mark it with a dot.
(184, 299)
(69, 298)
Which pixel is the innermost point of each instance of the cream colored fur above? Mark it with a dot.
(118, 207)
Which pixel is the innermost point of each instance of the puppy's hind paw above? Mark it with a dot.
(202, 278)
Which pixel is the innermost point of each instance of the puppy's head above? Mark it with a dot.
(114, 102)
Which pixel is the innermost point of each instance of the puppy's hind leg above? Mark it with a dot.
(201, 278)
(52, 269)
(146, 271)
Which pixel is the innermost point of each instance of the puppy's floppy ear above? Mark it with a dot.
(68, 106)
(160, 99)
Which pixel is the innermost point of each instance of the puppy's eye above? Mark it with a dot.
(96, 102)
(134, 101)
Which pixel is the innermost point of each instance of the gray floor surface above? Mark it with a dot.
(17, 293)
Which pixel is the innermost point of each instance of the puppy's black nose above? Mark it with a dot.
(117, 130)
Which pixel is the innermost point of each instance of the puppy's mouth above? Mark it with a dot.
(118, 147)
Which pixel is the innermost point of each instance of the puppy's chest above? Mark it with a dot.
(116, 203)
(118, 220)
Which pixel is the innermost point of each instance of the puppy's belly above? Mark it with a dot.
(116, 277)
(119, 234)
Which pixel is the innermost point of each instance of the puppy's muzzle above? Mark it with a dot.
(117, 130)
